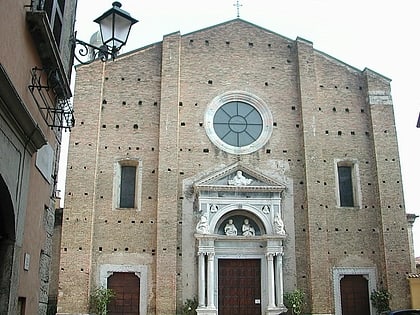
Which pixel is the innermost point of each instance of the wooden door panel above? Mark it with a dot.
(126, 286)
(239, 286)
(354, 295)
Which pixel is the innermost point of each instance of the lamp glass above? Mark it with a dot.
(122, 28)
(106, 26)
(115, 25)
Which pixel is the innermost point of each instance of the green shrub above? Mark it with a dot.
(99, 300)
(295, 301)
(189, 307)
(380, 300)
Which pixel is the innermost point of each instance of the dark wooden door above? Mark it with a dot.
(126, 286)
(354, 295)
(239, 286)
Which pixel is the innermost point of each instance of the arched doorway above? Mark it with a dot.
(354, 295)
(126, 286)
(7, 243)
(240, 265)
(240, 233)
(351, 289)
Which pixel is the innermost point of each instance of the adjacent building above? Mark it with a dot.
(35, 68)
(232, 165)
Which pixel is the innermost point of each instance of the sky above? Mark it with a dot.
(376, 34)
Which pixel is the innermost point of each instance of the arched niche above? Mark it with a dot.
(260, 223)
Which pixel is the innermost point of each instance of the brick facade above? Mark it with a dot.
(149, 105)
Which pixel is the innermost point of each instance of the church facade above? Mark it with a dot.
(233, 165)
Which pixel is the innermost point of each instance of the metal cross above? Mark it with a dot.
(237, 5)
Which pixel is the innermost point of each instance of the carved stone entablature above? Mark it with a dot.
(238, 201)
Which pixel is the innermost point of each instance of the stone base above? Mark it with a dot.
(206, 311)
(213, 311)
(276, 310)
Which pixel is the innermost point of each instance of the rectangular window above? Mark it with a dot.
(128, 186)
(55, 12)
(345, 185)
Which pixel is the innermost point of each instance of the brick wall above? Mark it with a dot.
(149, 105)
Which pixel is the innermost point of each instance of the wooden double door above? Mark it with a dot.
(354, 295)
(126, 286)
(239, 285)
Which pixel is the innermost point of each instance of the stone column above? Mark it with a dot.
(201, 280)
(279, 279)
(270, 280)
(210, 281)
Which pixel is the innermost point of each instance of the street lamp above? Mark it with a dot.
(115, 25)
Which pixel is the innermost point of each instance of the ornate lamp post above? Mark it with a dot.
(115, 25)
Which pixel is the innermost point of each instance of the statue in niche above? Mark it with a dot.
(266, 209)
(213, 208)
(230, 228)
(278, 225)
(239, 180)
(202, 226)
(247, 229)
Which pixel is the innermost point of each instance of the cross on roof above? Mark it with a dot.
(237, 5)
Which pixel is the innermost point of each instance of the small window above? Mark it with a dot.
(347, 189)
(345, 184)
(128, 186)
(127, 183)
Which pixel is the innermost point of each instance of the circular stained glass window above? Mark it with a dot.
(238, 122)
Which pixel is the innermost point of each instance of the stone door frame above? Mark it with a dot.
(106, 270)
(369, 273)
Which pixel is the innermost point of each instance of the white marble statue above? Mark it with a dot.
(239, 180)
(247, 229)
(230, 228)
(203, 226)
(278, 225)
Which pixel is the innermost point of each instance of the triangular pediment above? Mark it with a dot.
(237, 25)
(238, 177)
